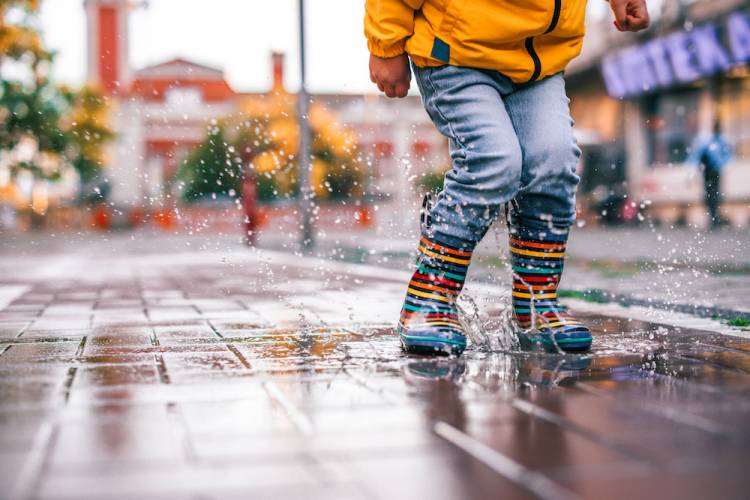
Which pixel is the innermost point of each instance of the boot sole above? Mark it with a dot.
(428, 344)
(567, 345)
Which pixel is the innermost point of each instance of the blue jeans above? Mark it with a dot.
(508, 142)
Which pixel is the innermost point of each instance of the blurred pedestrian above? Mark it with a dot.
(491, 77)
(712, 155)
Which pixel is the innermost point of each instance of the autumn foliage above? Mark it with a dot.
(262, 139)
(45, 129)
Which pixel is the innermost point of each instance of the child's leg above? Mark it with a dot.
(543, 211)
(466, 106)
(541, 118)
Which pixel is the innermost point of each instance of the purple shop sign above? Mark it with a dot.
(678, 58)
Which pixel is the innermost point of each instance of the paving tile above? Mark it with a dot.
(718, 480)
(104, 375)
(98, 444)
(34, 370)
(19, 427)
(11, 464)
(32, 333)
(17, 391)
(175, 480)
(226, 445)
(450, 476)
(201, 364)
(40, 352)
(252, 415)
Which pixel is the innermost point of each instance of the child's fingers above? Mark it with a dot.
(635, 24)
(389, 90)
(638, 20)
(402, 89)
(621, 15)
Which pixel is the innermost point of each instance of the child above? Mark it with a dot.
(490, 75)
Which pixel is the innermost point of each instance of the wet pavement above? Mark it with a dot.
(136, 369)
(703, 273)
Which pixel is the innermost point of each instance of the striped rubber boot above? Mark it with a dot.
(537, 261)
(429, 319)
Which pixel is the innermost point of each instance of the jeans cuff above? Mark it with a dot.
(453, 241)
(539, 229)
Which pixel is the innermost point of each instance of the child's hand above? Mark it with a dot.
(391, 75)
(630, 15)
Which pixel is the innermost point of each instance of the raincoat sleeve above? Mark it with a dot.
(388, 24)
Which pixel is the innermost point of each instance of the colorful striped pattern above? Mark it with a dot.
(537, 262)
(429, 319)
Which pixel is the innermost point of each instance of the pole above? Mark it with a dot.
(305, 193)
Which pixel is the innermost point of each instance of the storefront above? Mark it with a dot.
(667, 91)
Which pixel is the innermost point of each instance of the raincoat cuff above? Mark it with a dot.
(379, 48)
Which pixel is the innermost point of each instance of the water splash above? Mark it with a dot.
(538, 321)
(490, 333)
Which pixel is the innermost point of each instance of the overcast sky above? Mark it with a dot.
(236, 35)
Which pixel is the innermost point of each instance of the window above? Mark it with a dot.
(672, 126)
(184, 97)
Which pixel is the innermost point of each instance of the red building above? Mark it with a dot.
(161, 112)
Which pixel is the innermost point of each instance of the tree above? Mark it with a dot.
(87, 132)
(213, 169)
(44, 128)
(30, 116)
(18, 39)
(265, 136)
(432, 181)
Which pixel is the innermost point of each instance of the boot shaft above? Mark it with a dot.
(537, 261)
(439, 276)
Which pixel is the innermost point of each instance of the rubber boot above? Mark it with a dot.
(537, 259)
(429, 321)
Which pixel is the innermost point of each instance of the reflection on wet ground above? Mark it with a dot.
(282, 378)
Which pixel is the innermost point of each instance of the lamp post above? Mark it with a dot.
(305, 195)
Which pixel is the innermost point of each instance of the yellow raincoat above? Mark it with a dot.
(523, 39)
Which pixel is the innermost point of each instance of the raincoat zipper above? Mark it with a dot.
(530, 42)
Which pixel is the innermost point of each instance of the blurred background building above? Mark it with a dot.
(641, 102)
(161, 114)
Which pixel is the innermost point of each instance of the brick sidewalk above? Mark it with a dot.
(226, 373)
